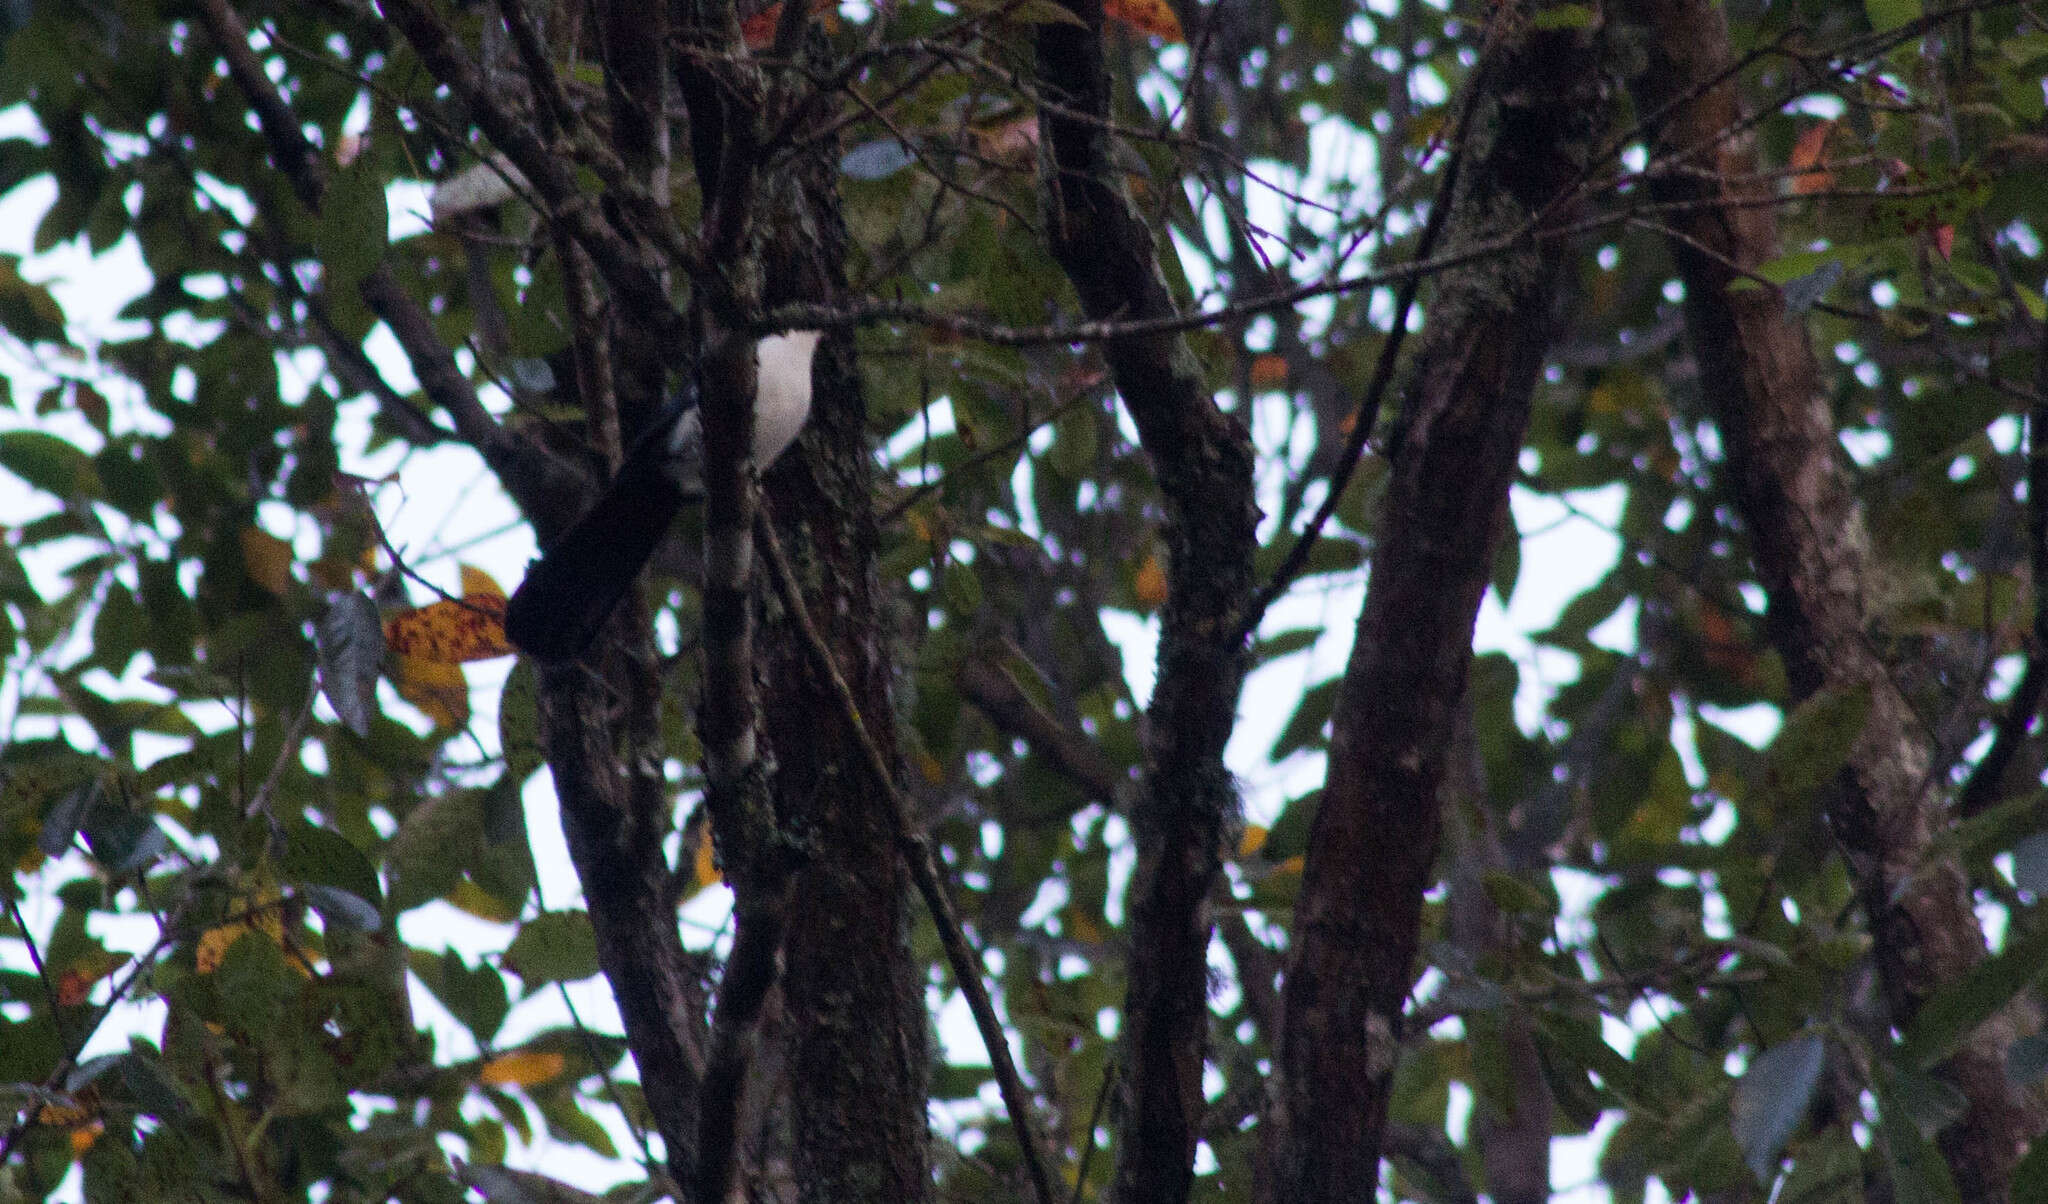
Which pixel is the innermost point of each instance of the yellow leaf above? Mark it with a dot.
(521, 1068)
(1146, 16)
(1293, 865)
(213, 945)
(929, 766)
(437, 688)
(451, 633)
(332, 575)
(482, 904)
(478, 584)
(1252, 841)
(1150, 583)
(63, 1115)
(267, 560)
(704, 866)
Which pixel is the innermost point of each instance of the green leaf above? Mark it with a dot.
(1031, 12)
(474, 995)
(1887, 15)
(558, 946)
(1310, 714)
(354, 226)
(1286, 643)
(350, 639)
(519, 723)
(1772, 1098)
(1563, 16)
(1815, 742)
(1955, 1011)
(48, 463)
(1513, 894)
(323, 857)
(28, 311)
(1507, 563)
(1919, 1173)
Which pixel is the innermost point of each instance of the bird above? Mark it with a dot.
(557, 611)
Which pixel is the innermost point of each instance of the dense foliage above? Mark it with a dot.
(242, 825)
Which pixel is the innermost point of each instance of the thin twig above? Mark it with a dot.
(1366, 416)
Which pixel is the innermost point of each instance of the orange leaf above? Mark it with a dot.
(1808, 161)
(1945, 240)
(1150, 583)
(521, 1068)
(1146, 16)
(759, 29)
(435, 686)
(82, 1137)
(1252, 841)
(450, 633)
(1269, 371)
(267, 560)
(75, 983)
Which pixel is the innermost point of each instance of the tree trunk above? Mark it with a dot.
(1815, 560)
(1454, 448)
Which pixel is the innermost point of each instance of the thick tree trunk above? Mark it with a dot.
(1374, 838)
(858, 1063)
(1816, 563)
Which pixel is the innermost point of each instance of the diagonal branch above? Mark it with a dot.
(996, 692)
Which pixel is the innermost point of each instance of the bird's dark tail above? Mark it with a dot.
(569, 592)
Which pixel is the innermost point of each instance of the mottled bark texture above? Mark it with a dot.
(858, 1064)
(1203, 460)
(1815, 561)
(1453, 450)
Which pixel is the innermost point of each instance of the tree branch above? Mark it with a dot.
(1203, 461)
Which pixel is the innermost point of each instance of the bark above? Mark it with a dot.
(1814, 558)
(1453, 451)
(1203, 460)
(859, 1058)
